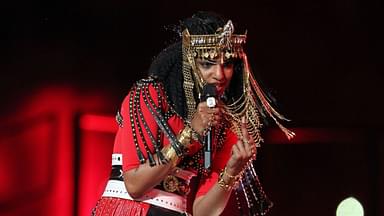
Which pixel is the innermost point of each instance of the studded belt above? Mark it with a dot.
(177, 182)
(116, 188)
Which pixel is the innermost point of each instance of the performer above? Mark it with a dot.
(184, 147)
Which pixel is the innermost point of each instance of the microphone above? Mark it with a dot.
(209, 95)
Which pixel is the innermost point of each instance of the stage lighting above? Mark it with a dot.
(350, 207)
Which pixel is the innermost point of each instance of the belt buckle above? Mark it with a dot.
(171, 183)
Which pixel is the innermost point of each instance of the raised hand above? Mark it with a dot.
(242, 151)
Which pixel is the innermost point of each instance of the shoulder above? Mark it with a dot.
(150, 85)
(146, 91)
(149, 82)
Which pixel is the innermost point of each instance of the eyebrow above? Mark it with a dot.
(214, 61)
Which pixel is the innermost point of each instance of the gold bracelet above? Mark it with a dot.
(184, 139)
(185, 136)
(227, 174)
(223, 184)
(170, 155)
(232, 180)
(194, 135)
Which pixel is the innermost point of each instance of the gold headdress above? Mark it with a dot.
(251, 103)
(230, 45)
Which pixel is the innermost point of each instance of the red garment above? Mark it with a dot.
(124, 139)
(107, 206)
(125, 144)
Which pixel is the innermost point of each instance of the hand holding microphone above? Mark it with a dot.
(207, 116)
(209, 95)
(208, 113)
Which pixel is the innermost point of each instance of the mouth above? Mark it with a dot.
(220, 88)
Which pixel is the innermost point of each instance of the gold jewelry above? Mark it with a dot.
(253, 100)
(194, 135)
(245, 142)
(185, 136)
(223, 43)
(171, 183)
(212, 117)
(227, 174)
(170, 155)
(227, 186)
(213, 45)
(224, 185)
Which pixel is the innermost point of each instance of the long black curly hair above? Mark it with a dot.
(167, 65)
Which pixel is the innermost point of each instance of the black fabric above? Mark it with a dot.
(159, 211)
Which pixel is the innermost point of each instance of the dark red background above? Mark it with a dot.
(66, 66)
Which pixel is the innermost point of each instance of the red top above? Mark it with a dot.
(124, 140)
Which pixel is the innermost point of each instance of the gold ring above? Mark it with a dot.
(245, 141)
(209, 124)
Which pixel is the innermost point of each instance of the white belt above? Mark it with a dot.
(116, 188)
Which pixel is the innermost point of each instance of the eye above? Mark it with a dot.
(228, 64)
(205, 64)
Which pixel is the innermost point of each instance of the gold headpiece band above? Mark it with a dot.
(210, 46)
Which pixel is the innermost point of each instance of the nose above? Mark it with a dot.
(219, 72)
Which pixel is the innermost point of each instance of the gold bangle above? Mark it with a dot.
(185, 136)
(223, 184)
(170, 155)
(194, 135)
(184, 139)
(227, 174)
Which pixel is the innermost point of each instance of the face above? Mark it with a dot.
(216, 71)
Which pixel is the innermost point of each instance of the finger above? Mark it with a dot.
(242, 150)
(235, 152)
(244, 130)
(248, 147)
(236, 161)
(247, 140)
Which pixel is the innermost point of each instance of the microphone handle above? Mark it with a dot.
(207, 150)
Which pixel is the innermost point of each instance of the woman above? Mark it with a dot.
(188, 133)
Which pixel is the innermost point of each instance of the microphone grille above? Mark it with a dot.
(209, 90)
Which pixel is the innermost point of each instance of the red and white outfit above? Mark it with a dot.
(116, 200)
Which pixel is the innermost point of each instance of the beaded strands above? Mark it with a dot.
(156, 143)
(132, 100)
(137, 111)
(160, 120)
(140, 91)
(255, 91)
(256, 199)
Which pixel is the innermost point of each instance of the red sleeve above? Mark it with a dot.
(219, 162)
(135, 108)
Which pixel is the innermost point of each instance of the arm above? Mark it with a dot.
(215, 200)
(140, 140)
(143, 178)
(139, 178)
